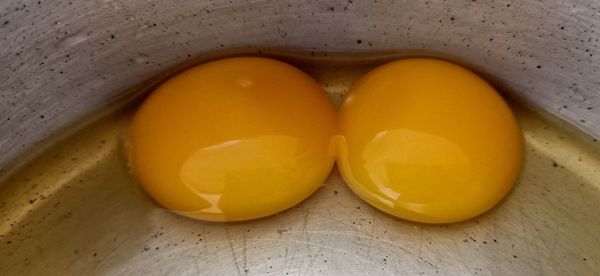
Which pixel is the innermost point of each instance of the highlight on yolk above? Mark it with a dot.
(233, 139)
(428, 141)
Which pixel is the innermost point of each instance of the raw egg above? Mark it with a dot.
(233, 139)
(428, 141)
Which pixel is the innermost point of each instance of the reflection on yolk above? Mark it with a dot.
(234, 139)
(402, 154)
(428, 141)
(226, 168)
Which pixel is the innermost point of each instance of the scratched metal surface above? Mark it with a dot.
(75, 210)
(64, 59)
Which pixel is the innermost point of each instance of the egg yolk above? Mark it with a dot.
(234, 139)
(428, 141)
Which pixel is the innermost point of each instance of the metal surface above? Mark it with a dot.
(62, 60)
(77, 211)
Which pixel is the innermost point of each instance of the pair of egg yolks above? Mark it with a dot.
(244, 138)
(234, 139)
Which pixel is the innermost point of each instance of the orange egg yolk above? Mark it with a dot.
(428, 141)
(234, 139)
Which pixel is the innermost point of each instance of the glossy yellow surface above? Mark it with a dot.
(428, 141)
(234, 139)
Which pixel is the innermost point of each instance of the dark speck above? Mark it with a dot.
(539, 66)
(554, 164)
(514, 256)
(358, 41)
(331, 8)
(5, 23)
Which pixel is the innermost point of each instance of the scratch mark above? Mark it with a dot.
(321, 245)
(313, 259)
(237, 265)
(370, 236)
(197, 267)
(285, 257)
(244, 254)
(204, 241)
(305, 234)
(420, 241)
